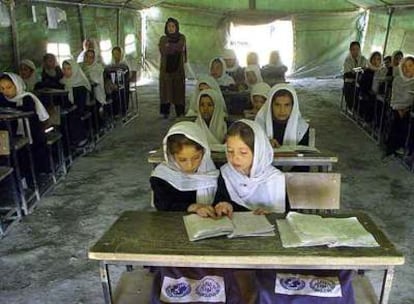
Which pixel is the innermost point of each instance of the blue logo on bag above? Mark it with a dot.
(322, 285)
(178, 290)
(292, 283)
(208, 288)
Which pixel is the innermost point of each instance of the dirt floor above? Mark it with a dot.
(43, 259)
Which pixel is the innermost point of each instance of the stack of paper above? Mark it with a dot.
(242, 224)
(300, 230)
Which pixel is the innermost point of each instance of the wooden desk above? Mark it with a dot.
(160, 239)
(323, 161)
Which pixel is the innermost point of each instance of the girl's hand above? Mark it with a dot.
(274, 143)
(224, 208)
(261, 211)
(202, 210)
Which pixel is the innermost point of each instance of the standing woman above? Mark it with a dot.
(173, 52)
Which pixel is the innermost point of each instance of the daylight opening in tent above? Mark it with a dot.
(60, 50)
(106, 51)
(263, 39)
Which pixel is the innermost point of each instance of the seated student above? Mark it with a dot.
(249, 181)
(233, 68)
(367, 95)
(12, 88)
(281, 119)
(252, 59)
(217, 69)
(51, 73)
(252, 75)
(94, 72)
(353, 60)
(396, 58)
(211, 116)
(88, 44)
(187, 181)
(27, 71)
(118, 74)
(274, 72)
(78, 86)
(401, 103)
(258, 97)
(203, 82)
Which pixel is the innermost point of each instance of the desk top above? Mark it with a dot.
(13, 114)
(159, 239)
(280, 159)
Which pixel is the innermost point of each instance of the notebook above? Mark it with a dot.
(242, 224)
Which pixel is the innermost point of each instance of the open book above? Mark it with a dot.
(242, 224)
(300, 230)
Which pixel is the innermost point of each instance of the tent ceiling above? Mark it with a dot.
(291, 6)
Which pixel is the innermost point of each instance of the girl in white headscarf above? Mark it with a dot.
(281, 119)
(27, 71)
(252, 75)
(258, 97)
(249, 181)
(13, 89)
(94, 72)
(187, 179)
(211, 116)
(217, 68)
(233, 68)
(203, 82)
(73, 77)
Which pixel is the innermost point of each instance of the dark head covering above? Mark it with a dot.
(177, 25)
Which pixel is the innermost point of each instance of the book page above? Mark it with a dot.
(249, 224)
(201, 227)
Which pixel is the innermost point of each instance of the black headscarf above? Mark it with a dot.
(173, 36)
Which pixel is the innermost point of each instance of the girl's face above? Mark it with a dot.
(230, 62)
(50, 62)
(89, 58)
(258, 102)
(206, 107)
(171, 28)
(408, 69)
(116, 55)
(282, 107)
(251, 77)
(355, 50)
(396, 60)
(239, 154)
(188, 159)
(376, 61)
(25, 72)
(67, 70)
(7, 88)
(216, 69)
(203, 86)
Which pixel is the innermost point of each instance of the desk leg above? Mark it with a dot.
(106, 282)
(386, 285)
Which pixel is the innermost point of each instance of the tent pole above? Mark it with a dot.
(252, 4)
(118, 26)
(15, 35)
(81, 24)
(390, 13)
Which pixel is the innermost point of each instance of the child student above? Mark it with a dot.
(352, 61)
(401, 102)
(258, 97)
(274, 72)
(217, 68)
(78, 86)
(12, 88)
(51, 73)
(252, 59)
(249, 181)
(281, 119)
(94, 72)
(211, 116)
(233, 68)
(203, 82)
(252, 75)
(27, 71)
(187, 179)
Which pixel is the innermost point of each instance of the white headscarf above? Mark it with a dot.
(224, 79)
(33, 79)
(230, 54)
(211, 82)
(78, 79)
(216, 132)
(401, 97)
(260, 89)
(256, 70)
(204, 181)
(296, 126)
(94, 72)
(265, 187)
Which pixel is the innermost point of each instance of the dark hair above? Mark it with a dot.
(398, 53)
(172, 20)
(354, 43)
(176, 142)
(217, 60)
(387, 58)
(117, 48)
(66, 62)
(90, 51)
(244, 132)
(374, 54)
(409, 58)
(49, 55)
(281, 93)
